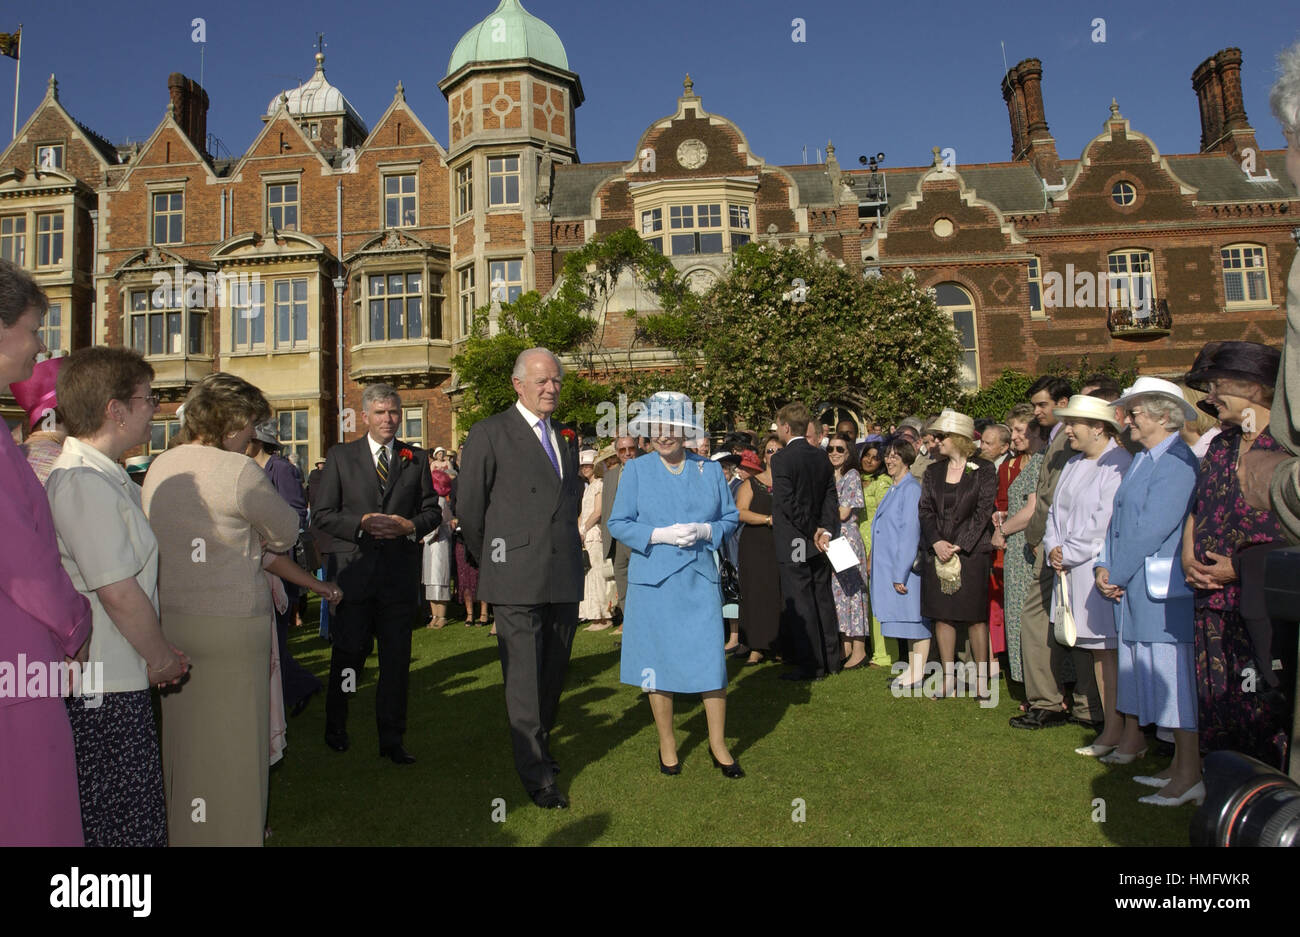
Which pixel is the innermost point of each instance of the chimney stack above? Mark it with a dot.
(1217, 83)
(190, 108)
(1022, 89)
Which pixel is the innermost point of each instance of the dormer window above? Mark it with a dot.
(168, 217)
(49, 156)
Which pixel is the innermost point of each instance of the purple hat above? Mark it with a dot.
(36, 395)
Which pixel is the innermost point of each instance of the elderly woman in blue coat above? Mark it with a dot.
(1140, 568)
(673, 510)
(895, 588)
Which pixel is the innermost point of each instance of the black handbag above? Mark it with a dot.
(730, 581)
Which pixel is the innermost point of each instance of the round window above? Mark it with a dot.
(1123, 193)
(943, 228)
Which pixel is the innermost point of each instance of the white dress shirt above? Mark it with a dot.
(536, 423)
(374, 451)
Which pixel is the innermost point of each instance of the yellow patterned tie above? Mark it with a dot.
(382, 468)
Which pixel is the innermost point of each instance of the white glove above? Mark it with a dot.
(693, 533)
(670, 534)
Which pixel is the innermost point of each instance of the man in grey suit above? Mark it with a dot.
(627, 447)
(518, 497)
(1043, 658)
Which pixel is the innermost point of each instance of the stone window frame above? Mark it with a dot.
(166, 187)
(1035, 278)
(281, 178)
(952, 311)
(510, 285)
(464, 189)
(727, 193)
(61, 233)
(466, 292)
(187, 314)
(60, 145)
(291, 442)
(505, 175)
(23, 235)
(407, 410)
(1247, 303)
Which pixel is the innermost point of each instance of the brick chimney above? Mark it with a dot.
(190, 108)
(1224, 128)
(1022, 89)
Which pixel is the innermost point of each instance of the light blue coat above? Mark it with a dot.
(1150, 509)
(895, 533)
(647, 498)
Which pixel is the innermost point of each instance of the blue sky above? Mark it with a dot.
(892, 77)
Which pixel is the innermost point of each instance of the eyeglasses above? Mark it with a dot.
(626, 449)
(152, 398)
(838, 449)
(771, 451)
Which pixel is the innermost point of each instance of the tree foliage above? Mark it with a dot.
(570, 322)
(1012, 387)
(880, 344)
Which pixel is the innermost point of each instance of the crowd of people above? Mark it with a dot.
(1102, 547)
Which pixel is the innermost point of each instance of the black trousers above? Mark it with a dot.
(809, 625)
(352, 627)
(534, 642)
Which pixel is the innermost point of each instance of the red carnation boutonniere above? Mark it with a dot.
(406, 455)
(569, 435)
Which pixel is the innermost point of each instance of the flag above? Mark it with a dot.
(9, 43)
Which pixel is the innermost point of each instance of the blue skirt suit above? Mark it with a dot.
(895, 533)
(672, 617)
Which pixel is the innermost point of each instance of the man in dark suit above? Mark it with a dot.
(805, 516)
(518, 497)
(376, 500)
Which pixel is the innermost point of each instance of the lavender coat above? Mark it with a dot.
(1077, 522)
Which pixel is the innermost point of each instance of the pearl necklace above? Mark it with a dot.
(681, 466)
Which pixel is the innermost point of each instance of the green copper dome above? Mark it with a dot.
(509, 32)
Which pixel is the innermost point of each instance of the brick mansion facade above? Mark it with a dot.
(330, 254)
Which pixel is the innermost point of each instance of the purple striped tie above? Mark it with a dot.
(546, 444)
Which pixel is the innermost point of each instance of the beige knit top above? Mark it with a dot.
(211, 510)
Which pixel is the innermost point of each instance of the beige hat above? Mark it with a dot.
(950, 421)
(1083, 407)
(606, 453)
(587, 457)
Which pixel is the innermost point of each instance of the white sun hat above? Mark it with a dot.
(1160, 388)
(1083, 407)
(668, 410)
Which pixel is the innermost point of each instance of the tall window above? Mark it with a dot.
(399, 201)
(698, 228)
(50, 156)
(961, 307)
(248, 310)
(49, 239)
(413, 425)
(13, 239)
(740, 230)
(168, 217)
(507, 279)
(162, 432)
(396, 307)
(503, 180)
(51, 331)
(465, 189)
(282, 206)
(157, 323)
(290, 312)
(293, 436)
(652, 224)
(1245, 274)
(1035, 285)
(465, 289)
(1131, 283)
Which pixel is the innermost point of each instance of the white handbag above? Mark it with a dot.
(1161, 583)
(1063, 629)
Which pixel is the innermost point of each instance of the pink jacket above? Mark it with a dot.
(42, 616)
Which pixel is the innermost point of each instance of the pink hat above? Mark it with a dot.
(36, 394)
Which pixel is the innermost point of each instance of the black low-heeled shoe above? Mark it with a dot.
(732, 770)
(673, 770)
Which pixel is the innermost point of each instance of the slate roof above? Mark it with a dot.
(574, 185)
(1219, 178)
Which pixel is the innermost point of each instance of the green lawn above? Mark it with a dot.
(869, 769)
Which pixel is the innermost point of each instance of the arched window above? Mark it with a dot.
(958, 303)
(1245, 274)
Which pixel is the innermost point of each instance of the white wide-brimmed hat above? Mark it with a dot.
(1083, 407)
(671, 411)
(587, 457)
(950, 421)
(1159, 387)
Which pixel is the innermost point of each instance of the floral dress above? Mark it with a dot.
(1017, 564)
(1233, 714)
(850, 586)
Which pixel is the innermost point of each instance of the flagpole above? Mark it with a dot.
(18, 74)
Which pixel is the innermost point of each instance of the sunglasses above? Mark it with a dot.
(627, 449)
(771, 451)
(938, 437)
(838, 449)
